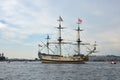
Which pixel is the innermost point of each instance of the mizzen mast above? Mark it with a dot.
(48, 43)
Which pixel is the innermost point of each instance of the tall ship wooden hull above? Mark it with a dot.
(58, 58)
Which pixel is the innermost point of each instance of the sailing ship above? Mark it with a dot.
(59, 58)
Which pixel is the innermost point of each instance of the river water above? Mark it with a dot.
(38, 71)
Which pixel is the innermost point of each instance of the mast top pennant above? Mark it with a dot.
(60, 19)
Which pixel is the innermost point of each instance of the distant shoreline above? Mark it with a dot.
(94, 58)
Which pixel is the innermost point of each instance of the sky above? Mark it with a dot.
(25, 23)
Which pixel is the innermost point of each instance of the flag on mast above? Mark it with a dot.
(79, 21)
(60, 18)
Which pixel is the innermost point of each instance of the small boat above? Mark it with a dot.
(113, 62)
(57, 57)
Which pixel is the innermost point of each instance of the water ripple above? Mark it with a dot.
(38, 71)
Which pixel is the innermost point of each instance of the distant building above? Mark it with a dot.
(104, 58)
(2, 58)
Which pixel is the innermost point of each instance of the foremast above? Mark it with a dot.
(78, 35)
(79, 40)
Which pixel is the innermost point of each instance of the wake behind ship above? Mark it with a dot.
(58, 57)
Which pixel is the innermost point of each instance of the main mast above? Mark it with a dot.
(59, 38)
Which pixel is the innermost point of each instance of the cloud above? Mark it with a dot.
(108, 41)
(21, 20)
(2, 26)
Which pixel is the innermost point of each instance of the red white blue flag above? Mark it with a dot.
(79, 21)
